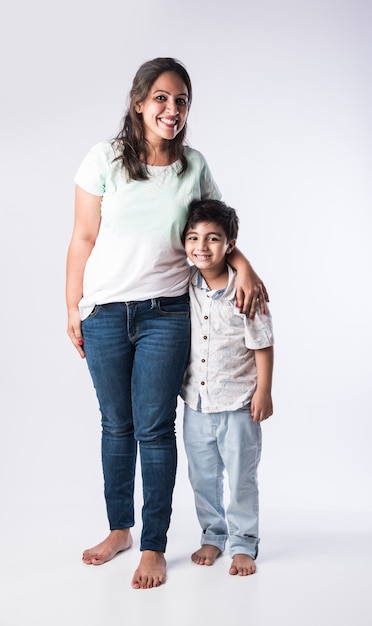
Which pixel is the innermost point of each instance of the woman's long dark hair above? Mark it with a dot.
(131, 138)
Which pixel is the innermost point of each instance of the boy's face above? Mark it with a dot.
(206, 246)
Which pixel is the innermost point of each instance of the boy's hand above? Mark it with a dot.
(261, 405)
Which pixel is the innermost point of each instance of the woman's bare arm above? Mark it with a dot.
(250, 289)
(86, 227)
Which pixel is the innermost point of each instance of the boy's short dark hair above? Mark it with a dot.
(212, 211)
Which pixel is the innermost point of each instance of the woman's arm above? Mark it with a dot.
(86, 227)
(250, 290)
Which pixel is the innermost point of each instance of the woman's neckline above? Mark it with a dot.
(161, 167)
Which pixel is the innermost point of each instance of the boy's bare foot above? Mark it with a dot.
(242, 565)
(206, 555)
(117, 541)
(151, 571)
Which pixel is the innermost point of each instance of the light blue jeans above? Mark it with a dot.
(229, 441)
(137, 353)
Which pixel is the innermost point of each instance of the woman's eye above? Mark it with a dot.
(161, 98)
(181, 101)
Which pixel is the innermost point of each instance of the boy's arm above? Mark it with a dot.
(261, 404)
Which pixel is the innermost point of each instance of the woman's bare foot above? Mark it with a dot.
(242, 565)
(206, 555)
(117, 541)
(151, 571)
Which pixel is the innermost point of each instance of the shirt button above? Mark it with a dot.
(203, 360)
(202, 382)
(205, 337)
(205, 317)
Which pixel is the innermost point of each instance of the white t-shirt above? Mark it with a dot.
(138, 252)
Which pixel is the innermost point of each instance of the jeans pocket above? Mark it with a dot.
(178, 306)
(93, 313)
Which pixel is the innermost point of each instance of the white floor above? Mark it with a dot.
(313, 568)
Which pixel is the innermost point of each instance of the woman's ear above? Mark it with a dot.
(138, 107)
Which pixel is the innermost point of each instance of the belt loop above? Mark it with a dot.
(153, 303)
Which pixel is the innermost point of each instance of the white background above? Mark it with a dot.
(282, 112)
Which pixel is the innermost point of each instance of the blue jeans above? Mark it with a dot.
(137, 353)
(214, 442)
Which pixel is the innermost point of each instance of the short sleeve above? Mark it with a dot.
(208, 186)
(259, 330)
(93, 170)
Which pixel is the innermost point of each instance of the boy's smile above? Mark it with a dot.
(206, 246)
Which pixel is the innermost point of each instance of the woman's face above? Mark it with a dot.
(164, 111)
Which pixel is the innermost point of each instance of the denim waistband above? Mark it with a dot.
(161, 299)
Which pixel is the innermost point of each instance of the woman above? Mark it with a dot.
(127, 300)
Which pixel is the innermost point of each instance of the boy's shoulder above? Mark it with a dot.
(193, 274)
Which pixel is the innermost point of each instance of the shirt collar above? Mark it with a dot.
(228, 292)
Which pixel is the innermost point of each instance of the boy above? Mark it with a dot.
(226, 389)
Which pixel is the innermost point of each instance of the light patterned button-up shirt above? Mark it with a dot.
(222, 375)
